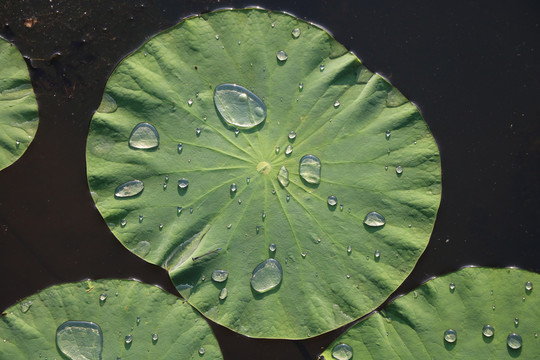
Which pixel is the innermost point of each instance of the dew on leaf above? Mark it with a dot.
(144, 136)
(238, 106)
(80, 340)
(374, 219)
(266, 276)
(310, 169)
(128, 189)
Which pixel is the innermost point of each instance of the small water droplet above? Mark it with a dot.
(516, 321)
(164, 186)
(217, 36)
(198, 131)
(337, 103)
(220, 275)
(332, 200)
(321, 67)
(233, 187)
(374, 219)
(266, 276)
(273, 192)
(257, 229)
(399, 169)
(452, 286)
(191, 210)
(138, 320)
(292, 135)
(304, 254)
(239, 42)
(25, 306)
(128, 189)
(201, 351)
(387, 134)
(514, 341)
(491, 291)
(223, 293)
(283, 176)
(277, 149)
(190, 102)
(450, 336)
(281, 55)
(367, 257)
(144, 136)
(488, 331)
(310, 169)
(239, 201)
(340, 207)
(183, 183)
(123, 222)
(229, 226)
(295, 33)
(103, 297)
(155, 337)
(238, 106)
(71, 334)
(248, 180)
(415, 294)
(342, 352)
(288, 197)
(160, 227)
(166, 178)
(273, 24)
(272, 247)
(288, 150)
(493, 307)
(349, 249)
(528, 286)
(128, 339)
(236, 132)
(203, 278)
(178, 210)
(180, 147)
(377, 254)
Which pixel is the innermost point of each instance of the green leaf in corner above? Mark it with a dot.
(251, 142)
(473, 313)
(105, 319)
(18, 106)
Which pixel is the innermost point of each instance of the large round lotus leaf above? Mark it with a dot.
(413, 327)
(164, 94)
(18, 106)
(93, 319)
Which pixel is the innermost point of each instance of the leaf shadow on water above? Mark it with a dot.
(514, 352)
(449, 346)
(182, 191)
(488, 340)
(331, 207)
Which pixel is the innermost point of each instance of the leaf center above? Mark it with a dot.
(264, 167)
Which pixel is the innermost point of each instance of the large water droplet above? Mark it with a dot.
(342, 352)
(488, 331)
(374, 219)
(295, 33)
(514, 341)
(288, 150)
(25, 306)
(332, 200)
(108, 104)
(220, 275)
(80, 340)
(131, 188)
(266, 276)
(144, 136)
(283, 176)
(281, 55)
(183, 183)
(238, 106)
(528, 286)
(310, 169)
(450, 336)
(223, 293)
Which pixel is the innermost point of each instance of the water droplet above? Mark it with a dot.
(131, 188)
(263, 215)
(102, 297)
(273, 24)
(166, 178)
(288, 197)
(248, 180)
(233, 187)
(528, 286)
(198, 131)
(25, 306)
(190, 102)
(288, 150)
(238, 106)
(450, 336)
(342, 352)
(138, 320)
(223, 293)
(154, 337)
(239, 201)
(164, 186)
(337, 103)
(349, 249)
(277, 149)
(80, 340)
(295, 33)
(377, 254)
(229, 226)
(160, 227)
(310, 169)
(452, 286)
(367, 257)
(281, 55)
(348, 276)
(415, 294)
(178, 210)
(239, 42)
(180, 147)
(203, 278)
(387, 134)
(332, 200)
(488, 331)
(272, 247)
(292, 135)
(399, 169)
(493, 307)
(514, 341)
(217, 36)
(374, 219)
(236, 132)
(201, 351)
(220, 275)
(321, 67)
(128, 339)
(300, 86)
(283, 176)
(183, 183)
(273, 192)
(108, 104)
(516, 321)
(123, 222)
(257, 229)
(144, 136)
(304, 254)
(266, 276)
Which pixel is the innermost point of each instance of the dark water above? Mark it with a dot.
(472, 67)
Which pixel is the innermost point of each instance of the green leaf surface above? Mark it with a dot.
(29, 328)
(18, 106)
(413, 326)
(170, 83)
